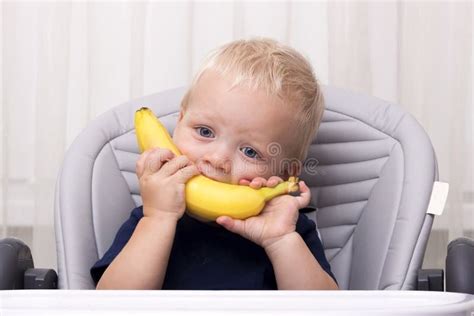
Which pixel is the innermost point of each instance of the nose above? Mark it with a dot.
(216, 161)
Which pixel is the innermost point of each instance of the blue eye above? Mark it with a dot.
(204, 132)
(251, 153)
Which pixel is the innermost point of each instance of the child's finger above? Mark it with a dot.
(305, 195)
(171, 167)
(274, 181)
(186, 173)
(156, 159)
(244, 182)
(143, 161)
(258, 182)
(140, 165)
(233, 225)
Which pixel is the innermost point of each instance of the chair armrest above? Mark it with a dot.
(430, 280)
(459, 266)
(17, 268)
(41, 279)
(15, 259)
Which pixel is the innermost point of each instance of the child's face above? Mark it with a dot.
(234, 135)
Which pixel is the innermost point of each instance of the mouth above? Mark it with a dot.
(212, 178)
(216, 176)
(210, 174)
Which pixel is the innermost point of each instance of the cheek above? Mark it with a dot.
(190, 150)
(177, 138)
(186, 144)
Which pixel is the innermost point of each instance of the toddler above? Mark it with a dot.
(248, 118)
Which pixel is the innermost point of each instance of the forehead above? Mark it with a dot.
(250, 113)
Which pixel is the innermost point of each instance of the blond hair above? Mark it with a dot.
(264, 64)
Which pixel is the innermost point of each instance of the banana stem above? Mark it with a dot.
(282, 188)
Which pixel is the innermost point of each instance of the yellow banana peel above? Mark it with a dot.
(207, 199)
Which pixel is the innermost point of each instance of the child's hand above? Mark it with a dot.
(277, 219)
(259, 182)
(162, 178)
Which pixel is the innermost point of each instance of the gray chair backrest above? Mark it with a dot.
(371, 171)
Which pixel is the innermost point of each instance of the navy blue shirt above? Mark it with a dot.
(207, 257)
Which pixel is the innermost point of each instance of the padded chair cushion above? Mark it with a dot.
(371, 170)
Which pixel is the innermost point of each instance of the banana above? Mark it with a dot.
(207, 199)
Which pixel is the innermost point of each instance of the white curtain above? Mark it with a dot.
(63, 63)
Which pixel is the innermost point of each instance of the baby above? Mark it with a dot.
(248, 119)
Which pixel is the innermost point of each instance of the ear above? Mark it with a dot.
(181, 114)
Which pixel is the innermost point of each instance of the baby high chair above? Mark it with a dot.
(372, 173)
